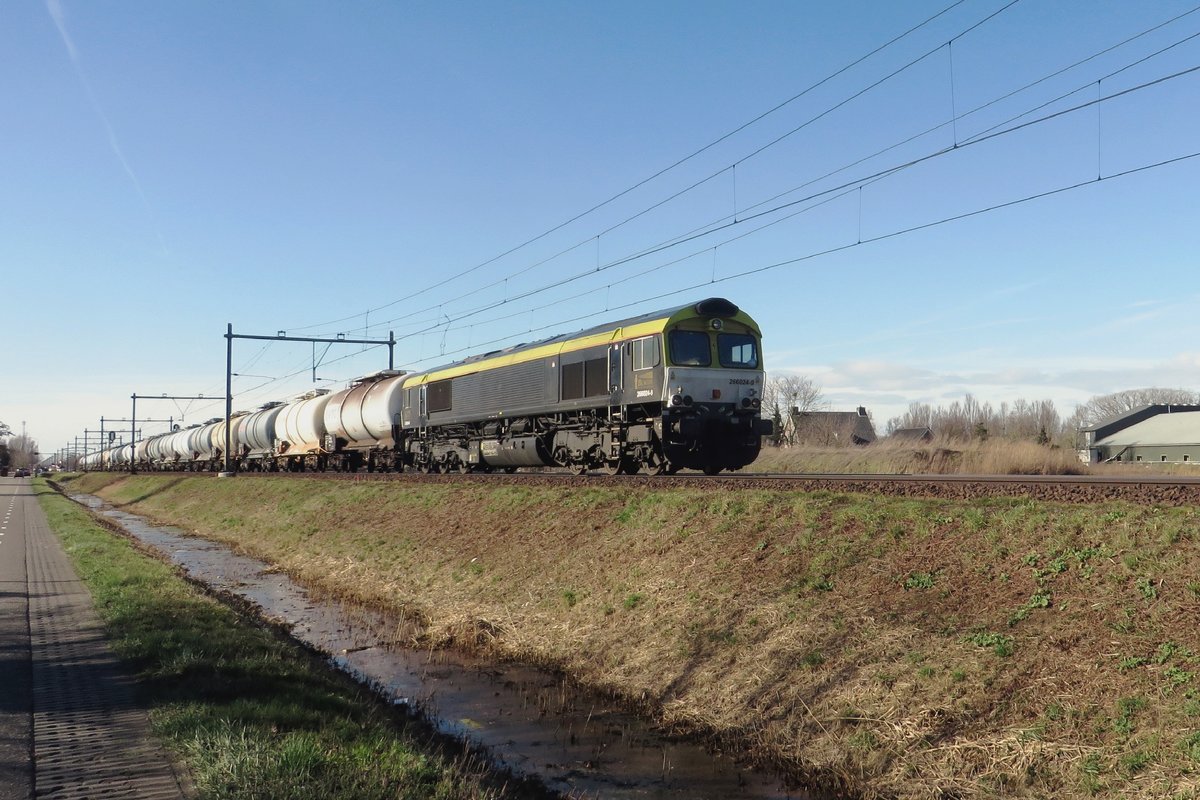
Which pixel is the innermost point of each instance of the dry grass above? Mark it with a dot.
(899, 647)
(940, 457)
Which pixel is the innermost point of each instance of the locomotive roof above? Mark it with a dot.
(712, 307)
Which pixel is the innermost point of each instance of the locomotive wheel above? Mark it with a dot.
(711, 469)
(663, 468)
(625, 465)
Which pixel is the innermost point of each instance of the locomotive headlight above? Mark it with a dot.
(677, 400)
(687, 399)
(746, 402)
(756, 403)
(716, 325)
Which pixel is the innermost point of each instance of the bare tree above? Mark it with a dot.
(22, 451)
(971, 419)
(918, 415)
(784, 392)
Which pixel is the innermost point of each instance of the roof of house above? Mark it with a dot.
(1111, 425)
(855, 423)
(1180, 426)
(917, 434)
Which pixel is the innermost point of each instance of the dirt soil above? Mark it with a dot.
(890, 646)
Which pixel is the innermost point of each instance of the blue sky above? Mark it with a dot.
(167, 168)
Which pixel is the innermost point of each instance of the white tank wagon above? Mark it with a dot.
(362, 422)
(158, 450)
(177, 450)
(141, 451)
(199, 444)
(121, 455)
(300, 431)
(216, 448)
(108, 458)
(256, 436)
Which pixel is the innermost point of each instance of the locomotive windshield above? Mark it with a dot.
(689, 348)
(737, 350)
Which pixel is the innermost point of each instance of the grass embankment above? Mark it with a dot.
(250, 715)
(897, 647)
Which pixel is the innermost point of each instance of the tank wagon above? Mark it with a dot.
(678, 388)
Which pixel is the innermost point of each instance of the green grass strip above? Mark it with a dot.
(251, 715)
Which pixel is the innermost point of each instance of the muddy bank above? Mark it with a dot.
(533, 722)
(896, 646)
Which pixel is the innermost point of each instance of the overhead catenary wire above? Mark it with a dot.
(558, 324)
(664, 170)
(848, 185)
(717, 225)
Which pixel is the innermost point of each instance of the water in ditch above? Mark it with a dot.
(532, 722)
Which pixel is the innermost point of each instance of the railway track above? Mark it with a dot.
(1150, 490)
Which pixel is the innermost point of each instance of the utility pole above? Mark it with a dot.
(133, 420)
(281, 336)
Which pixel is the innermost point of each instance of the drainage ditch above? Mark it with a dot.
(530, 721)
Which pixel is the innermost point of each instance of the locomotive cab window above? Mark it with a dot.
(690, 349)
(645, 353)
(737, 350)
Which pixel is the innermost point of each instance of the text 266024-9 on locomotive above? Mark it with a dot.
(675, 389)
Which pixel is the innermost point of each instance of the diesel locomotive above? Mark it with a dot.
(675, 389)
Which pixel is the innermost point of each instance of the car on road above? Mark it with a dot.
(21, 473)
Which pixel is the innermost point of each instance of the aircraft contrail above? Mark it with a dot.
(54, 7)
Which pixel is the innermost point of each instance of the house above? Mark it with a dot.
(832, 428)
(912, 435)
(1158, 432)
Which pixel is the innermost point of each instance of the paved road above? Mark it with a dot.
(69, 724)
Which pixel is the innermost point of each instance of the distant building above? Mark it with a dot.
(1159, 432)
(832, 428)
(913, 435)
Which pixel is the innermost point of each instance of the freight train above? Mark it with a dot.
(675, 389)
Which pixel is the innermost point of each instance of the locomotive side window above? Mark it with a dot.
(585, 379)
(645, 353)
(595, 377)
(437, 396)
(737, 350)
(690, 349)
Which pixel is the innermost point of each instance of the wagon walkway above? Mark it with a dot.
(70, 726)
